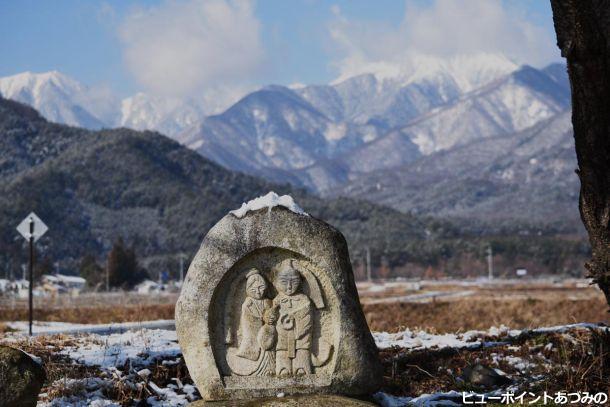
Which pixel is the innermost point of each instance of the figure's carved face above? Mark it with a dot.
(288, 282)
(255, 287)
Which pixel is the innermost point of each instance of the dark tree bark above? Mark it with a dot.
(583, 35)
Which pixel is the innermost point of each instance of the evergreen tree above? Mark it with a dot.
(123, 268)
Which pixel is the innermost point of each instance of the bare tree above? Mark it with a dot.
(583, 35)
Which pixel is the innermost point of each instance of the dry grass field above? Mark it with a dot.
(435, 307)
(477, 313)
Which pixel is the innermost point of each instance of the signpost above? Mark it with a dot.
(32, 229)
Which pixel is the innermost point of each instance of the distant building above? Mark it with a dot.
(21, 288)
(521, 272)
(5, 285)
(149, 287)
(60, 284)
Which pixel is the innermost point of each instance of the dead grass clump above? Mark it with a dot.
(580, 362)
(130, 386)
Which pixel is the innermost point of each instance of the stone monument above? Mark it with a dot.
(270, 306)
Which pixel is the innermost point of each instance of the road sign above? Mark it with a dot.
(32, 229)
(26, 229)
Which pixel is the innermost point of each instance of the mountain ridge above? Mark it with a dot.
(332, 138)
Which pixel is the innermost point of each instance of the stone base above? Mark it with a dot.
(288, 401)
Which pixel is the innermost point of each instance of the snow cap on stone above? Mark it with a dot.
(268, 201)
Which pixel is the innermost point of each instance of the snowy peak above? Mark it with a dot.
(167, 115)
(467, 71)
(56, 96)
(390, 95)
(37, 85)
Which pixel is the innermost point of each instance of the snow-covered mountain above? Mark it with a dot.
(335, 137)
(507, 105)
(391, 95)
(56, 96)
(166, 115)
(306, 129)
(327, 136)
(62, 99)
(528, 175)
(274, 128)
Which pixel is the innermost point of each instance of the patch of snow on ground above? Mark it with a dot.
(114, 350)
(66, 328)
(270, 200)
(423, 340)
(414, 340)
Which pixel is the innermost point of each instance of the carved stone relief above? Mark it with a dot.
(277, 318)
(269, 306)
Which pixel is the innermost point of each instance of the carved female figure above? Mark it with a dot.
(294, 325)
(256, 318)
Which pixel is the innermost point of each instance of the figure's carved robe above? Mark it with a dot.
(250, 323)
(294, 326)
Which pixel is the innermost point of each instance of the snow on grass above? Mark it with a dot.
(269, 201)
(108, 351)
(43, 326)
(421, 340)
(55, 328)
(125, 361)
(414, 340)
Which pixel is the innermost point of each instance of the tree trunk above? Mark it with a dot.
(583, 35)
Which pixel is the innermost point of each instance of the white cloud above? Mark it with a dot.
(192, 47)
(445, 28)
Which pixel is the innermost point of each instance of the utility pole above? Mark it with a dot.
(369, 275)
(181, 268)
(490, 264)
(107, 276)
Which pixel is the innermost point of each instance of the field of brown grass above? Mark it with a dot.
(517, 308)
(93, 315)
(475, 313)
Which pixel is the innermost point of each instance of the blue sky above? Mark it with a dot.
(127, 44)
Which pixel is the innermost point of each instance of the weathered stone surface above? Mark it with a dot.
(290, 401)
(270, 306)
(21, 378)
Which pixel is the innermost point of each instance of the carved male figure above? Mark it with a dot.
(294, 326)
